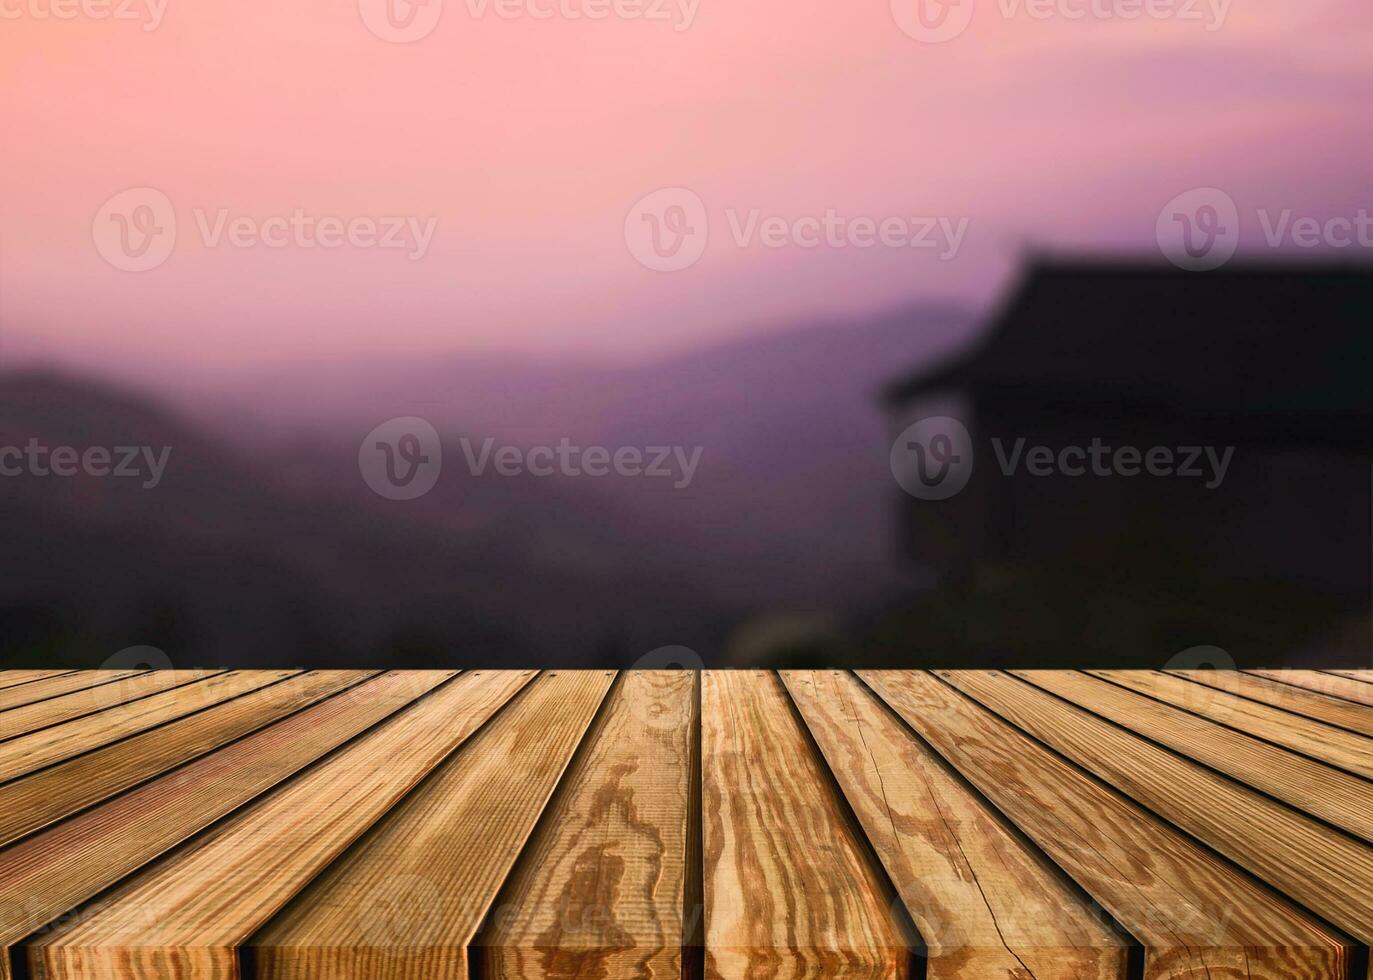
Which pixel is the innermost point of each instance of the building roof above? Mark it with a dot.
(1280, 348)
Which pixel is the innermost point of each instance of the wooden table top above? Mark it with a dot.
(749, 825)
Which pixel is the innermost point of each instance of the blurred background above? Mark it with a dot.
(283, 261)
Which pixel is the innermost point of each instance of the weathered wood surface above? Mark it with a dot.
(78, 704)
(1322, 707)
(1319, 789)
(39, 799)
(1364, 675)
(789, 891)
(407, 903)
(1325, 870)
(603, 888)
(37, 750)
(59, 684)
(49, 875)
(1349, 685)
(985, 904)
(809, 825)
(14, 678)
(188, 914)
(1347, 750)
(1196, 915)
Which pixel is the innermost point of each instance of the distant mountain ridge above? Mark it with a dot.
(264, 546)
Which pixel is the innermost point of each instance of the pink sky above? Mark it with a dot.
(528, 141)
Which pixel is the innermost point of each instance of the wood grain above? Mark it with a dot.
(1196, 916)
(49, 874)
(405, 903)
(1326, 871)
(22, 755)
(37, 800)
(13, 678)
(600, 893)
(57, 685)
(188, 913)
(1348, 751)
(1366, 676)
(77, 704)
(789, 891)
(1331, 685)
(1357, 718)
(1319, 789)
(985, 905)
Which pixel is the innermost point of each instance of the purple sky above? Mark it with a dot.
(511, 149)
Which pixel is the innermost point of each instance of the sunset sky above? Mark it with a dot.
(523, 143)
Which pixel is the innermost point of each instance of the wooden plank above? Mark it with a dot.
(789, 891)
(27, 753)
(601, 890)
(1357, 718)
(35, 801)
(51, 687)
(54, 711)
(56, 870)
(13, 678)
(1324, 870)
(407, 900)
(1366, 676)
(187, 914)
(1196, 915)
(985, 904)
(1348, 751)
(1322, 683)
(1325, 792)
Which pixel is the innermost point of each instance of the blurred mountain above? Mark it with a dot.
(791, 505)
(262, 544)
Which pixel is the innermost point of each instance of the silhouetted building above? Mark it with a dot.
(1102, 398)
